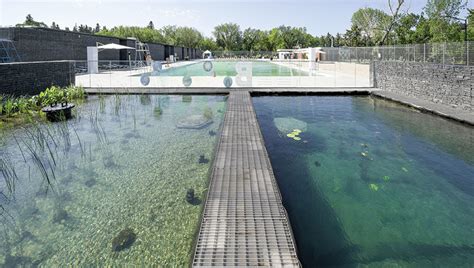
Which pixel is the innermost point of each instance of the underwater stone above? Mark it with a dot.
(123, 240)
(60, 215)
(316, 163)
(190, 196)
(194, 122)
(90, 182)
(212, 133)
(286, 124)
(203, 159)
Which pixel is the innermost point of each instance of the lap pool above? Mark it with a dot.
(369, 182)
(227, 68)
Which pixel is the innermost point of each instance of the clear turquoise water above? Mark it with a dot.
(373, 183)
(119, 164)
(222, 68)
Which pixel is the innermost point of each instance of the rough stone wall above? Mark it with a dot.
(452, 85)
(30, 78)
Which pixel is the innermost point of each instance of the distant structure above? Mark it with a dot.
(46, 44)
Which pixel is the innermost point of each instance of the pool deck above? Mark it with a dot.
(244, 222)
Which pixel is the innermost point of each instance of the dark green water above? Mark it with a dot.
(120, 164)
(372, 182)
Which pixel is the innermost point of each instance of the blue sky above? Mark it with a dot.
(318, 16)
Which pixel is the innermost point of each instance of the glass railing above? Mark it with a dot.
(223, 73)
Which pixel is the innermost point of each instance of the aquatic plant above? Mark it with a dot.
(386, 178)
(373, 187)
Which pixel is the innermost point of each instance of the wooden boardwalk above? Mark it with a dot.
(244, 222)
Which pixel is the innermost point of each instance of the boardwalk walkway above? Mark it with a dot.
(244, 222)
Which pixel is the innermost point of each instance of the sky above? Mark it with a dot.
(318, 16)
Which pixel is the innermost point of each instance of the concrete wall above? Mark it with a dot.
(447, 84)
(30, 78)
(42, 44)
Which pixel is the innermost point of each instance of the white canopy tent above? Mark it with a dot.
(93, 55)
(207, 54)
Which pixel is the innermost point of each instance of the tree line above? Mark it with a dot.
(438, 22)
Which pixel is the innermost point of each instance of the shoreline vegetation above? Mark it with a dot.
(15, 111)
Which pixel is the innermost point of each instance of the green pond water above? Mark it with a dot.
(371, 183)
(223, 68)
(121, 166)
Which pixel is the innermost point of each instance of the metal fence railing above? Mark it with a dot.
(461, 53)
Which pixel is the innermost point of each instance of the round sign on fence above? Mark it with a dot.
(207, 66)
(187, 81)
(145, 79)
(227, 82)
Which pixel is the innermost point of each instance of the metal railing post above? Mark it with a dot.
(444, 52)
(467, 53)
(424, 52)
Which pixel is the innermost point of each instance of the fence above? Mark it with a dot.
(440, 53)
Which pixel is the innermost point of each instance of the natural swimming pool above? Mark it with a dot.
(369, 182)
(110, 187)
(227, 68)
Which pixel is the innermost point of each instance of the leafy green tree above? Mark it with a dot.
(143, 34)
(29, 21)
(151, 25)
(441, 13)
(228, 36)
(250, 39)
(372, 23)
(208, 44)
(470, 24)
(187, 37)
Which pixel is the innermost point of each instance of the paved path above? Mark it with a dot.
(425, 105)
(244, 222)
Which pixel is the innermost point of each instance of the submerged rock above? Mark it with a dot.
(123, 240)
(212, 133)
(90, 182)
(287, 124)
(203, 159)
(194, 122)
(60, 215)
(191, 198)
(316, 163)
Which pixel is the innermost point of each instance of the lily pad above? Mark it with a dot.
(297, 138)
(289, 124)
(404, 169)
(194, 122)
(386, 178)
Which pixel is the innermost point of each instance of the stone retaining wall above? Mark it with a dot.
(447, 84)
(30, 78)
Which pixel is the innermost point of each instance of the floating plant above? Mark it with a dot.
(373, 187)
(404, 169)
(386, 178)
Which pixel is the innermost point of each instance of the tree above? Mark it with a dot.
(393, 19)
(250, 39)
(208, 44)
(353, 37)
(29, 21)
(97, 28)
(187, 36)
(143, 34)
(151, 25)
(441, 13)
(372, 23)
(228, 36)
